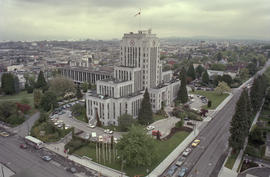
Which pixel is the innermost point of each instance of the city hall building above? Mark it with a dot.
(139, 68)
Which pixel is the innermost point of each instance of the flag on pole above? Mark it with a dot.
(139, 13)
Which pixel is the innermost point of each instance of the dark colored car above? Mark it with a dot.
(72, 170)
(23, 146)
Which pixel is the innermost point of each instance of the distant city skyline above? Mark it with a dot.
(100, 19)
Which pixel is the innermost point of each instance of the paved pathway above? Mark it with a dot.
(24, 129)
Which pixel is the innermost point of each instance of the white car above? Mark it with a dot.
(187, 151)
(87, 136)
(67, 127)
(91, 125)
(108, 131)
(59, 125)
(150, 127)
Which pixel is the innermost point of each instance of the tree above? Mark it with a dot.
(205, 77)
(182, 95)
(244, 73)
(209, 103)
(252, 68)
(227, 78)
(37, 98)
(78, 92)
(257, 92)
(85, 87)
(125, 121)
(41, 82)
(239, 125)
(199, 71)
(137, 148)
(145, 116)
(7, 83)
(191, 72)
(16, 84)
(48, 101)
(222, 87)
(61, 86)
(218, 67)
(77, 109)
(219, 56)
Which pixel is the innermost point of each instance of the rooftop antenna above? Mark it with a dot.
(139, 14)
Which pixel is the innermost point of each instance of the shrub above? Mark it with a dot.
(252, 151)
(179, 124)
(194, 116)
(209, 104)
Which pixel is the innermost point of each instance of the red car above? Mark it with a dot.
(155, 132)
(23, 146)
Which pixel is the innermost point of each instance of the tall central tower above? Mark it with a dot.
(141, 50)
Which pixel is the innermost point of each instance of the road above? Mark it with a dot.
(214, 140)
(27, 162)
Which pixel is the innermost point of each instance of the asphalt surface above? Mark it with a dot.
(27, 162)
(203, 159)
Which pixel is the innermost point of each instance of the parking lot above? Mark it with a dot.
(64, 117)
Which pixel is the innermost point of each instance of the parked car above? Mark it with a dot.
(100, 138)
(72, 170)
(186, 152)
(23, 146)
(155, 132)
(150, 127)
(67, 127)
(182, 172)
(91, 125)
(46, 158)
(87, 136)
(5, 134)
(195, 143)
(180, 161)
(60, 125)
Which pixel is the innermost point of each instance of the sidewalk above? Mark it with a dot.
(183, 145)
(59, 149)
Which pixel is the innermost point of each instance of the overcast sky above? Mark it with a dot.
(107, 19)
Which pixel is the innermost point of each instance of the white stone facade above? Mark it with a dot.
(140, 68)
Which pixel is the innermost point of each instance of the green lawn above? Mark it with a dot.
(18, 98)
(231, 160)
(213, 96)
(158, 117)
(164, 148)
(52, 134)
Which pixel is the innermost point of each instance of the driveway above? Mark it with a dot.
(164, 126)
(83, 126)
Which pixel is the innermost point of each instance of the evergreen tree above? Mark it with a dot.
(248, 108)
(191, 72)
(199, 71)
(239, 124)
(41, 82)
(219, 56)
(16, 84)
(37, 98)
(145, 116)
(182, 95)
(8, 83)
(85, 87)
(257, 92)
(78, 92)
(205, 77)
(48, 101)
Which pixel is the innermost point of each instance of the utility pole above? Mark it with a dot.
(2, 171)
